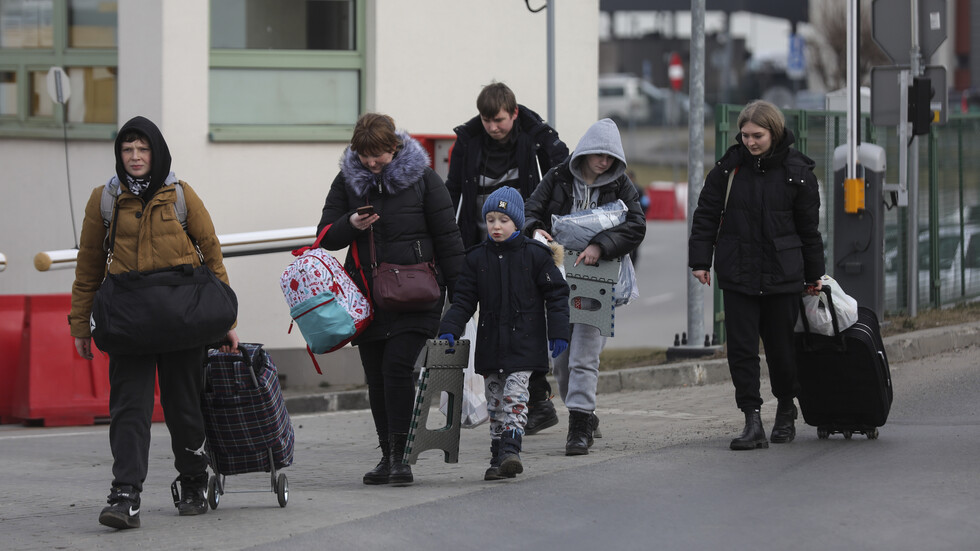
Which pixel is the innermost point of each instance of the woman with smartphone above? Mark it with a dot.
(758, 216)
(386, 193)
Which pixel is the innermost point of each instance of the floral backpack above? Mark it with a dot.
(323, 300)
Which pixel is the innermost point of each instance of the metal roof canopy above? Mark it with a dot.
(794, 10)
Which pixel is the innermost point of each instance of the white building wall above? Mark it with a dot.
(427, 60)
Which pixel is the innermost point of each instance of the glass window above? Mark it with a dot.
(8, 93)
(81, 36)
(285, 69)
(26, 24)
(92, 24)
(263, 104)
(282, 24)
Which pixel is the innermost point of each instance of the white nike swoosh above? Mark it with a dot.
(133, 512)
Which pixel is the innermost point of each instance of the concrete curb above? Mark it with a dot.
(899, 348)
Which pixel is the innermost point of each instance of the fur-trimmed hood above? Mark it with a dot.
(406, 168)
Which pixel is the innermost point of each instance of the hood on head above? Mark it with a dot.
(159, 152)
(601, 138)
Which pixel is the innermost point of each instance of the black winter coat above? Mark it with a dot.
(769, 238)
(554, 195)
(523, 302)
(416, 225)
(538, 145)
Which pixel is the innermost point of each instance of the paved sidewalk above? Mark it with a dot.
(899, 348)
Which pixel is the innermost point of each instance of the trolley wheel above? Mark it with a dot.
(872, 434)
(213, 492)
(847, 434)
(823, 433)
(282, 490)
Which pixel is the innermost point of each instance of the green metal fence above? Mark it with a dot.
(948, 195)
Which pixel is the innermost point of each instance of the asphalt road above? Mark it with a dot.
(662, 273)
(661, 477)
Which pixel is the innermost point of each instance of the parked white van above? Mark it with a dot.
(625, 97)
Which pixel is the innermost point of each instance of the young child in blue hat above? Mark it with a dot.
(523, 302)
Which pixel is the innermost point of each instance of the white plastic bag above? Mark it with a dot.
(818, 314)
(474, 411)
(627, 289)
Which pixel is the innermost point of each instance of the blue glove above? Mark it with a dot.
(449, 337)
(557, 346)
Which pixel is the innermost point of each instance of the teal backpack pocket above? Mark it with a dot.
(323, 321)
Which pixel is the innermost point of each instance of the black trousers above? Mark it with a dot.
(131, 387)
(538, 387)
(388, 369)
(771, 318)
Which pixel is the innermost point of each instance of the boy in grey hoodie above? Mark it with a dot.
(594, 175)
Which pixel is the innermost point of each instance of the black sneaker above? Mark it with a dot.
(124, 509)
(193, 496)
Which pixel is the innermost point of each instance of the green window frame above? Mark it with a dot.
(302, 63)
(28, 66)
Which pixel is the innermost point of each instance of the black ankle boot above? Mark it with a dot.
(753, 435)
(783, 429)
(579, 433)
(379, 474)
(510, 454)
(399, 473)
(541, 414)
(493, 473)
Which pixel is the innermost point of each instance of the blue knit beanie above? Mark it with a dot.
(508, 201)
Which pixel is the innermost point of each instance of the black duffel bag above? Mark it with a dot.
(162, 310)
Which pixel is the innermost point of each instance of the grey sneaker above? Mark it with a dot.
(124, 509)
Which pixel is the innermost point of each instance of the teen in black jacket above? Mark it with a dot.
(766, 247)
(507, 144)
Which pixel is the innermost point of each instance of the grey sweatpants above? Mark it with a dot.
(577, 370)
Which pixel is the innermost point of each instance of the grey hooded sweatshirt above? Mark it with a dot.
(601, 138)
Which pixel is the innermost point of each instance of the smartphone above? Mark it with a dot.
(366, 210)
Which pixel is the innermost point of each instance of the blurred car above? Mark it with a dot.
(959, 266)
(626, 98)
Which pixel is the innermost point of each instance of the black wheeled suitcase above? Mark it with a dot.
(245, 419)
(845, 382)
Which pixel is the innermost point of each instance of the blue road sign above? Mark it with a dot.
(796, 59)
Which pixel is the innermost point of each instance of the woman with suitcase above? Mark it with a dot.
(758, 217)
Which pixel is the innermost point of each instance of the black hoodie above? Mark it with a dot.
(159, 153)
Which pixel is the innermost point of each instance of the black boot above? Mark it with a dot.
(493, 473)
(541, 414)
(594, 423)
(783, 429)
(579, 433)
(379, 474)
(753, 435)
(399, 473)
(510, 453)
